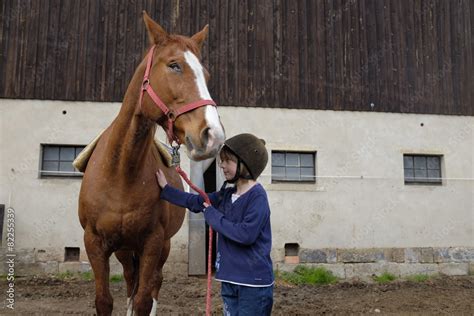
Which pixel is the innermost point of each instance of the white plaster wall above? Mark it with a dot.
(379, 210)
(339, 210)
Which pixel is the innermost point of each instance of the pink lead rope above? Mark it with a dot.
(209, 253)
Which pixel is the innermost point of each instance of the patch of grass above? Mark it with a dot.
(418, 277)
(307, 275)
(87, 276)
(66, 275)
(3, 277)
(384, 278)
(116, 278)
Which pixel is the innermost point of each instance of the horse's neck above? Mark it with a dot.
(131, 135)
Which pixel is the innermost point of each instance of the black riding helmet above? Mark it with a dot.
(250, 151)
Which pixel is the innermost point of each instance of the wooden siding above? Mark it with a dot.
(409, 56)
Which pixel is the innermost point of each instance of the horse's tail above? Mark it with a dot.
(136, 274)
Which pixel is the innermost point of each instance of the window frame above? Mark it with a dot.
(420, 180)
(59, 174)
(312, 180)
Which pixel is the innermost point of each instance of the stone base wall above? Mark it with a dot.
(364, 263)
(51, 261)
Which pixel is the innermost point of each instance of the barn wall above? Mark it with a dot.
(384, 56)
(340, 212)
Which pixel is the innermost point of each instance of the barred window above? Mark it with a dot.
(293, 166)
(422, 169)
(56, 160)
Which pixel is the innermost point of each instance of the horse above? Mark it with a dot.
(119, 202)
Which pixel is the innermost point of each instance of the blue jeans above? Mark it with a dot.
(240, 300)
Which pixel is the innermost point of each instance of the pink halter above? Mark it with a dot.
(171, 114)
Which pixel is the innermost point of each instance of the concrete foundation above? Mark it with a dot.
(401, 262)
(343, 263)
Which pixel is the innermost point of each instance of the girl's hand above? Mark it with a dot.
(160, 176)
(205, 205)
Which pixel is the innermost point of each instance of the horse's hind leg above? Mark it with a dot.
(158, 275)
(126, 259)
(99, 260)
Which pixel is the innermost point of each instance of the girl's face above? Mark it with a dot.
(229, 168)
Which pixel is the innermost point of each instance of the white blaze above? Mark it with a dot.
(196, 66)
(212, 117)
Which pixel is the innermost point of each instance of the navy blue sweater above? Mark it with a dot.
(245, 239)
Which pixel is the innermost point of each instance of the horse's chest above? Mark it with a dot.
(126, 220)
(139, 221)
(125, 215)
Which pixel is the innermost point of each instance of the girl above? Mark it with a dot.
(241, 216)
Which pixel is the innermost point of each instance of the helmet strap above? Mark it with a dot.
(238, 173)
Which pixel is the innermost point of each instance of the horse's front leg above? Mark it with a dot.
(126, 259)
(99, 259)
(158, 276)
(148, 261)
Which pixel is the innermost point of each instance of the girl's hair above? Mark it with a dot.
(226, 154)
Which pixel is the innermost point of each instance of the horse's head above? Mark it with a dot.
(179, 80)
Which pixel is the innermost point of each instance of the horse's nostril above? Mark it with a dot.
(205, 135)
(189, 143)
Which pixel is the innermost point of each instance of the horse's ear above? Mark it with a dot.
(156, 33)
(200, 37)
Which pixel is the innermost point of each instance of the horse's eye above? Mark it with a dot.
(175, 67)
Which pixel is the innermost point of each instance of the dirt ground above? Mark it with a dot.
(184, 296)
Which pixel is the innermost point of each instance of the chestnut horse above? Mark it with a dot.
(119, 205)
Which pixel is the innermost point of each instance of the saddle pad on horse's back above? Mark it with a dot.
(80, 163)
